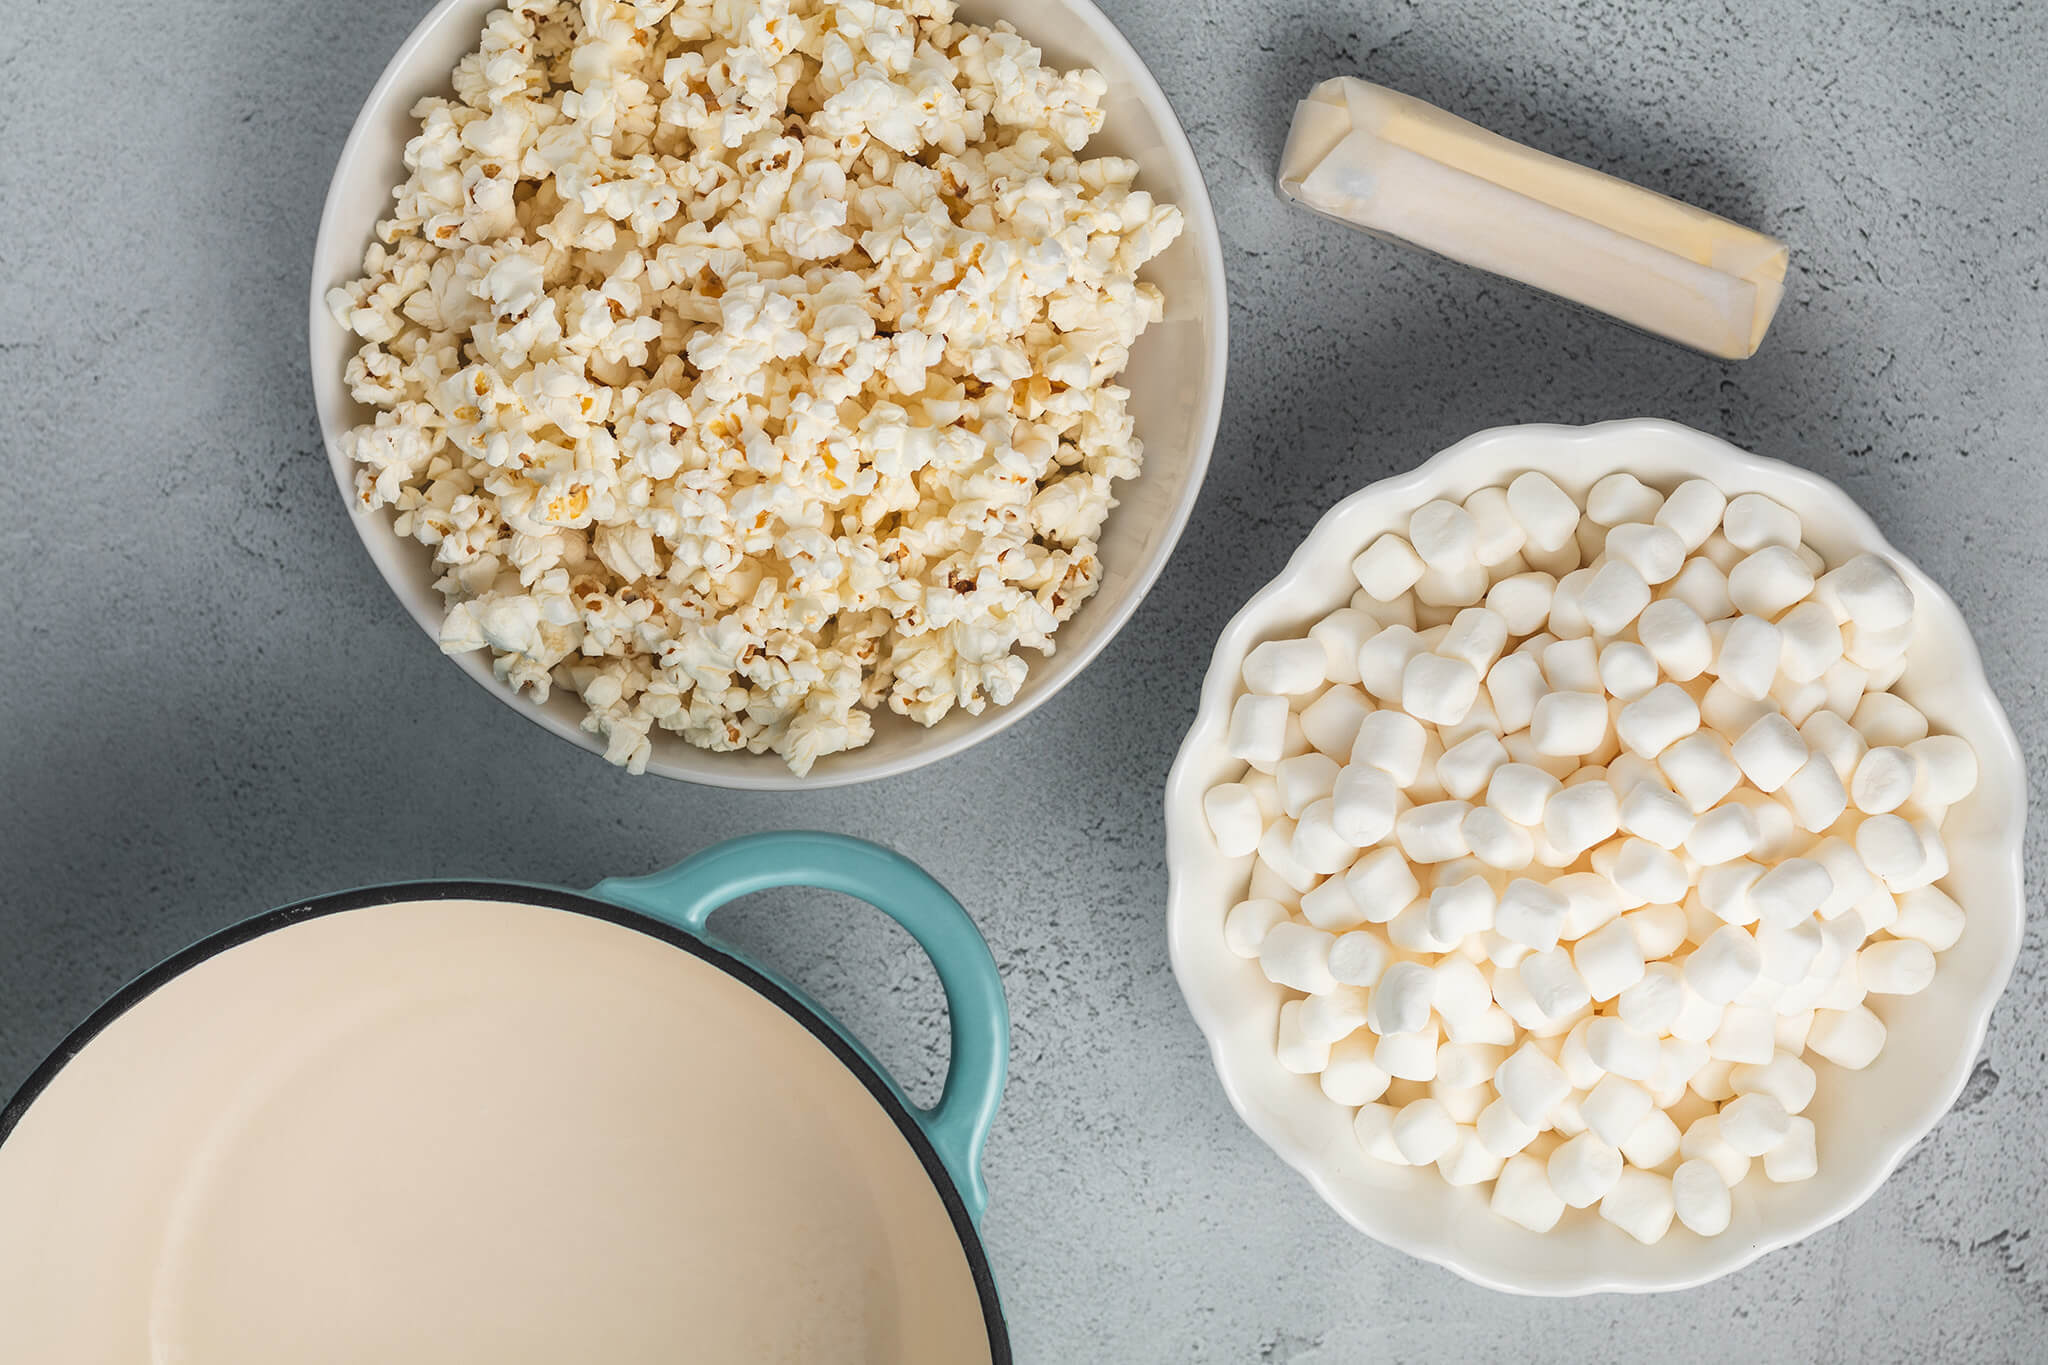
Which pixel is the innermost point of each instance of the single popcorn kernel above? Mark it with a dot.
(747, 320)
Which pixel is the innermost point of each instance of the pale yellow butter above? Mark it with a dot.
(1390, 164)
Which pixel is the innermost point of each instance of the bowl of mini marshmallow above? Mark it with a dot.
(1595, 858)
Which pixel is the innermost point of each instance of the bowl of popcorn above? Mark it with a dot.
(769, 394)
(1596, 858)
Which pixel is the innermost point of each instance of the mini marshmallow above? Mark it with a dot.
(1438, 690)
(1657, 814)
(1497, 841)
(1249, 921)
(1899, 966)
(1515, 684)
(1722, 835)
(1317, 844)
(1627, 670)
(1557, 563)
(1383, 661)
(1392, 742)
(1296, 1051)
(1464, 1066)
(1725, 889)
(1463, 585)
(1359, 958)
(1747, 660)
(1796, 1157)
(1276, 851)
(1567, 616)
(1285, 668)
(1444, 534)
(1579, 1067)
(1297, 956)
(1578, 817)
(1815, 795)
(1648, 873)
(1530, 913)
(1692, 511)
(1812, 642)
(1703, 587)
(1655, 553)
(1467, 766)
(1790, 891)
(1363, 804)
(1571, 665)
(1789, 951)
(1945, 770)
(1619, 498)
(1699, 769)
(1266, 884)
(1501, 1132)
(1769, 752)
(1621, 1049)
(1531, 1084)
(1928, 915)
(1849, 1038)
(1747, 1035)
(1614, 596)
(1678, 1061)
(1351, 1076)
(1724, 966)
(1890, 847)
(1792, 1031)
(1335, 1014)
(1493, 1026)
(1934, 857)
(1258, 729)
(1381, 884)
(1583, 1170)
(1797, 701)
(1753, 521)
(1462, 908)
(1423, 1131)
(1303, 781)
(1651, 1002)
(1590, 901)
(1400, 611)
(1329, 906)
(1784, 1078)
(1409, 1056)
(1462, 996)
(1373, 1126)
(1886, 718)
(1522, 602)
(1673, 634)
(1769, 581)
(1699, 1018)
(1476, 636)
(1654, 1141)
(1554, 983)
(1640, 1204)
(1883, 779)
(1402, 1000)
(1569, 723)
(1388, 568)
(1754, 1124)
(1433, 832)
(1468, 1162)
(1867, 591)
(1545, 511)
(1710, 1082)
(1700, 1197)
(1614, 1108)
(1727, 711)
(1704, 1141)
(1835, 739)
(1845, 683)
(1341, 634)
(1330, 722)
(1656, 720)
(1522, 1194)
(1609, 960)
(1498, 537)
(1234, 819)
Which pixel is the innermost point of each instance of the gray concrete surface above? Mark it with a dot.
(211, 703)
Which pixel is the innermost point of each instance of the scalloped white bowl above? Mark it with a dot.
(1867, 1120)
(1175, 377)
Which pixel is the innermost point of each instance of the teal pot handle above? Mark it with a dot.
(687, 894)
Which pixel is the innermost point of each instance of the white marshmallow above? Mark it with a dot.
(1747, 1035)
(1531, 1084)
(1614, 1108)
(1890, 847)
(1868, 591)
(1769, 752)
(1397, 611)
(1571, 665)
(1276, 852)
(1693, 511)
(1784, 1078)
(1928, 915)
(1402, 999)
(1317, 844)
(1286, 668)
(1468, 1162)
(1341, 634)
(1444, 534)
(1462, 908)
(1754, 1124)
(1467, 766)
(1703, 586)
(1381, 884)
(1266, 884)
(1678, 1061)
(1640, 1204)
(1627, 670)
(1462, 997)
(1945, 770)
(1556, 563)
(1501, 1132)
(1477, 636)
(1621, 1049)
(1700, 1197)
(1747, 660)
(1530, 913)
(1462, 586)
(1812, 642)
(1649, 874)
(1796, 1157)
(1392, 742)
(1651, 1002)
(1833, 737)
(1295, 1050)
(1258, 729)
(1673, 634)
(1792, 1031)
(1583, 1170)
(1265, 791)
(1409, 1056)
(1769, 582)
(1297, 956)
(1656, 553)
(1498, 536)
(1545, 511)
(1579, 1067)
(1522, 601)
(1815, 794)
(1710, 1082)
(1699, 1018)
(1553, 983)
(1497, 841)
(1329, 906)
(1335, 1014)
(1351, 1076)
(1522, 1194)
(1728, 712)
(1234, 819)
(1699, 769)
(1388, 568)
(1653, 812)
(1373, 1126)
(1654, 1141)
(1249, 921)
(1619, 498)
(1900, 966)
(1753, 521)
(1438, 690)
(1849, 1038)
(1578, 817)
(1883, 779)
(1423, 1131)
(1614, 596)
(1359, 958)
(1704, 1141)
(1656, 720)
(1722, 835)
(1886, 718)
(1724, 966)
(1845, 683)
(1363, 804)
(1494, 1026)
(1303, 781)
(1515, 684)
(1383, 661)
(1330, 722)
(1795, 700)
(1567, 616)
(1790, 891)
(1609, 960)
(1789, 951)
(1433, 832)
(1590, 901)
(1725, 890)
(1465, 1066)
(1569, 723)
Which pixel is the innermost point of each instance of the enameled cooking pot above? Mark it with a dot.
(485, 1122)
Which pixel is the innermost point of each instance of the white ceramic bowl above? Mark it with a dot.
(1175, 378)
(1867, 1120)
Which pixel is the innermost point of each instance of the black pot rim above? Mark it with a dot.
(571, 902)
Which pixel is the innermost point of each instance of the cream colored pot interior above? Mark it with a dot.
(455, 1131)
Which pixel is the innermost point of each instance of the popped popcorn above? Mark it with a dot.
(748, 365)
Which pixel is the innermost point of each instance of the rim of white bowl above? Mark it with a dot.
(681, 761)
(1185, 825)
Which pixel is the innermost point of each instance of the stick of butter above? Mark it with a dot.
(1390, 164)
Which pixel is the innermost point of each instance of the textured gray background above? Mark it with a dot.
(212, 704)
